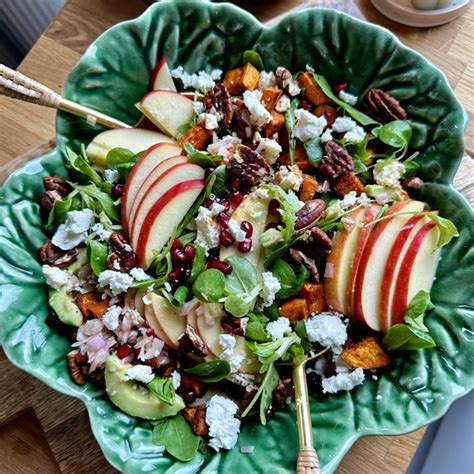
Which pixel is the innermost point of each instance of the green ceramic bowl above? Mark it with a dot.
(111, 77)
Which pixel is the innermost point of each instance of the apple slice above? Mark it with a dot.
(139, 303)
(155, 325)
(369, 274)
(341, 258)
(253, 209)
(168, 110)
(417, 270)
(163, 218)
(146, 124)
(168, 318)
(161, 77)
(142, 169)
(129, 300)
(175, 170)
(133, 139)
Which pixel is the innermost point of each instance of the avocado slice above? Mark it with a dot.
(65, 307)
(133, 399)
(80, 261)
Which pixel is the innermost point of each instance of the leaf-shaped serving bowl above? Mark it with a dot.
(111, 77)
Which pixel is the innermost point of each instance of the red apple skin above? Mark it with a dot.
(370, 215)
(166, 198)
(154, 75)
(400, 296)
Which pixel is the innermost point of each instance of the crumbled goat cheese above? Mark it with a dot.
(176, 379)
(140, 373)
(327, 329)
(139, 274)
(271, 286)
(217, 208)
(116, 281)
(224, 428)
(289, 177)
(111, 175)
(234, 228)
(59, 279)
(198, 107)
(355, 136)
(269, 149)
(326, 136)
(127, 248)
(342, 381)
(354, 133)
(210, 121)
(111, 317)
(226, 147)
(101, 232)
(307, 125)
(350, 199)
(277, 329)
(389, 173)
(267, 79)
(348, 98)
(201, 80)
(74, 230)
(259, 115)
(116, 265)
(283, 104)
(227, 342)
(207, 230)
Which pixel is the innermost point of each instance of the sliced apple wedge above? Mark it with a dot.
(161, 77)
(142, 169)
(417, 270)
(168, 110)
(129, 300)
(133, 139)
(153, 322)
(163, 218)
(368, 281)
(139, 304)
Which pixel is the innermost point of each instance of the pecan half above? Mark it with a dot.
(299, 257)
(335, 161)
(55, 183)
(283, 394)
(218, 101)
(318, 244)
(383, 107)
(235, 326)
(196, 417)
(191, 343)
(309, 214)
(285, 81)
(49, 198)
(115, 261)
(122, 249)
(78, 367)
(49, 254)
(249, 166)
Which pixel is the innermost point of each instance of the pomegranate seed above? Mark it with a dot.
(123, 351)
(341, 87)
(305, 105)
(245, 246)
(176, 274)
(223, 220)
(176, 244)
(226, 204)
(225, 268)
(174, 284)
(189, 396)
(208, 201)
(247, 227)
(235, 184)
(150, 332)
(273, 207)
(117, 191)
(130, 262)
(226, 238)
(189, 253)
(236, 198)
(177, 256)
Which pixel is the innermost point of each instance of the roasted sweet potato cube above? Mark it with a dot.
(295, 310)
(328, 111)
(196, 417)
(312, 92)
(91, 304)
(276, 123)
(308, 188)
(366, 354)
(270, 97)
(301, 159)
(313, 293)
(346, 183)
(250, 77)
(232, 81)
(191, 383)
(198, 136)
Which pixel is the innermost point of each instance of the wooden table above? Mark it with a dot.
(43, 431)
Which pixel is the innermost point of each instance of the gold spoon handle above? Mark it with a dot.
(18, 86)
(308, 462)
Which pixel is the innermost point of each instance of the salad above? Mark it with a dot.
(250, 221)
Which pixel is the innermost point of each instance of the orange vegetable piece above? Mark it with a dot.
(198, 136)
(366, 354)
(346, 183)
(308, 188)
(274, 125)
(313, 293)
(295, 310)
(270, 97)
(312, 92)
(91, 304)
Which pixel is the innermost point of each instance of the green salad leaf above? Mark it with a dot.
(396, 134)
(209, 285)
(122, 161)
(98, 252)
(199, 263)
(314, 150)
(290, 122)
(201, 158)
(163, 387)
(256, 327)
(447, 229)
(211, 371)
(179, 296)
(291, 282)
(253, 58)
(82, 167)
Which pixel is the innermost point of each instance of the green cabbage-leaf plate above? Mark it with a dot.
(111, 77)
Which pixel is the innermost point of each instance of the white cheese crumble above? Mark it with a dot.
(217, 208)
(202, 80)
(348, 98)
(269, 149)
(226, 147)
(234, 228)
(342, 381)
(210, 121)
(139, 274)
(227, 342)
(74, 230)
(111, 176)
(308, 125)
(59, 279)
(111, 317)
(267, 79)
(271, 286)
(350, 199)
(354, 133)
(283, 104)
(259, 115)
(116, 281)
(176, 379)
(389, 173)
(207, 229)
(224, 428)
(327, 329)
(101, 232)
(198, 107)
(289, 177)
(277, 329)
(326, 136)
(140, 373)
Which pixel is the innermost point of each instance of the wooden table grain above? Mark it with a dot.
(42, 431)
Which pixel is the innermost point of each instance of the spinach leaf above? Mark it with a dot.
(98, 253)
(254, 59)
(211, 371)
(256, 327)
(201, 158)
(177, 437)
(272, 312)
(219, 187)
(209, 285)
(314, 151)
(199, 263)
(411, 168)
(396, 134)
(294, 353)
(447, 229)
(359, 167)
(243, 278)
(84, 171)
(93, 197)
(163, 387)
(122, 160)
(286, 276)
(58, 213)
(290, 125)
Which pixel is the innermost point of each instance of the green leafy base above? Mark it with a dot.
(111, 77)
